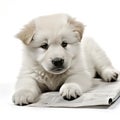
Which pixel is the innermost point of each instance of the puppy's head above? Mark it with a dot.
(53, 41)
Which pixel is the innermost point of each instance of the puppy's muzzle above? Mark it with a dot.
(58, 62)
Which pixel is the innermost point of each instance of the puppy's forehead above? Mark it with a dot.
(51, 22)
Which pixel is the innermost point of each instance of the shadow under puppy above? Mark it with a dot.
(56, 57)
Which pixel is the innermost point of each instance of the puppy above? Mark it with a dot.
(56, 57)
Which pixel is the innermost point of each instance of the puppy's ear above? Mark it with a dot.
(27, 33)
(78, 27)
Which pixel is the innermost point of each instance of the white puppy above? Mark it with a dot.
(56, 57)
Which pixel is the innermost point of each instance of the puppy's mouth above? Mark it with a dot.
(58, 70)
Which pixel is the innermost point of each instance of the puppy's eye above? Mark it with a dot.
(64, 44)
(44, 46)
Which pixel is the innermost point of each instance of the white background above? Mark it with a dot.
(102, 20)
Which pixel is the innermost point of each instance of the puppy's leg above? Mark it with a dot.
(104, 67)
(75, 85)
(26, 92)
(101, 62)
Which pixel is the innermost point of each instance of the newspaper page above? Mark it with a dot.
(102, 93)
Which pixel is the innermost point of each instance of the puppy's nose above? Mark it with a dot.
(58, 62)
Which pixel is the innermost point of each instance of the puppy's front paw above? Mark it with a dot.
(24, 97)
(70, 91)
(110, 75)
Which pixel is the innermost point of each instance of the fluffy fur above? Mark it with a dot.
(56, 57)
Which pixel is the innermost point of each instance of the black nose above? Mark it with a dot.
(58, 62)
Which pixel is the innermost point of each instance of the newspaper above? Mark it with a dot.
(102, 93)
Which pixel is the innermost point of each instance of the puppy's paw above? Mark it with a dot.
(24, 97)
(110, 75)
(70, 91)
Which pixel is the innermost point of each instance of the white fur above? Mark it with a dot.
(82, 61)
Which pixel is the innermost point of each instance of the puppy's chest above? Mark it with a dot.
(52, 82)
